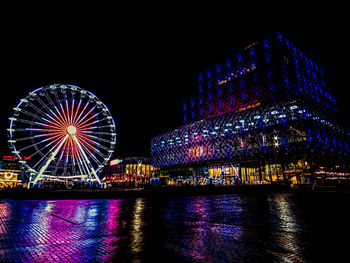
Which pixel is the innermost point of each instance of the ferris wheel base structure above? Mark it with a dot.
(67, 132)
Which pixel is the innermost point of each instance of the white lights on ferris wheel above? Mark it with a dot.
(65, 130)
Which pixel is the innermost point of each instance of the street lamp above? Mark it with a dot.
(276, 145)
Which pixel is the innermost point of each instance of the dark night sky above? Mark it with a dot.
(142, 63)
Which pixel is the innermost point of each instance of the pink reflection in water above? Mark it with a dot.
(81, 228)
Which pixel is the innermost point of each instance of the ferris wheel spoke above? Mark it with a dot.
(44, 105)
(35, 123)
(99, 139)
(57, 141)
(29, 113)
(64, 114)
(81, 124)
(89, 148)
(86, 168)
(71, 142)
(60, 118)
(79, 121)
(35, 144)
(57, 99)
(67, 112)
(34, 116)
(81, 169)
(80, 158)
(72, 111)
(24, 121)
(45, 125)
(60, 111)
(42, 130)
(82, 111)
(87, 159)
(73, 159)
(88, 140)
(64, 147)
(23, 139)
(56, 121)
(76, 111)
(51, 123)
(69, 117)
(86, 146)
(99, 127)
(57, 118)
(44, 114)
(59, 160)
(50, 101)
(100, 154)
(63, 152)
(76, 156)
(80, 163)
(96, 160)
(102, 147)
(67, 149)
(27, 138)
(89, 128)
(53, 140)
(88, 125)
(35, 136)
(97, 151)
(99, 133)
(49, 160)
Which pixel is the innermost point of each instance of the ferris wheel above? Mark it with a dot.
(62, 131)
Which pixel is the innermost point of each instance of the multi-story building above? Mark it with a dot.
(129, 172)
(264, 115)
(11, 172)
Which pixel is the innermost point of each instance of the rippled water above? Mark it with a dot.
(279, 227)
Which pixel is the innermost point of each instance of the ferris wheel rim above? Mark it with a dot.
(51, 113)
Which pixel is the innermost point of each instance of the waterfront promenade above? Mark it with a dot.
(113, 193)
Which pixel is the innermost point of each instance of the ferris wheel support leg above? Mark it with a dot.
(87, 160)
(52, 157)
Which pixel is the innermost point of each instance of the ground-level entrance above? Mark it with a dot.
(231, 173)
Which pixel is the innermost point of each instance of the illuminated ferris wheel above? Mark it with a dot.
(62, 131)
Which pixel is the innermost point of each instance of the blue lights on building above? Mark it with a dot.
(266, 106)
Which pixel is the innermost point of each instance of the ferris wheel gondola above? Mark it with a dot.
(66, 132)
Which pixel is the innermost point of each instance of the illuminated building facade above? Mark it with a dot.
(129, 172)
(11, 172)
(271, 70)
(264, 115)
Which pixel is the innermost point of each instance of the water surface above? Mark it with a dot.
(278, 227)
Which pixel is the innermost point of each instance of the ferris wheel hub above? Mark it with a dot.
(71, 130)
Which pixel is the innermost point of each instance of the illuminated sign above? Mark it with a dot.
(11, 157)
(115, 162)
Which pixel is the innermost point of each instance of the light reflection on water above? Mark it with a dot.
(223, 228)
(287, 228)
(136, 224)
